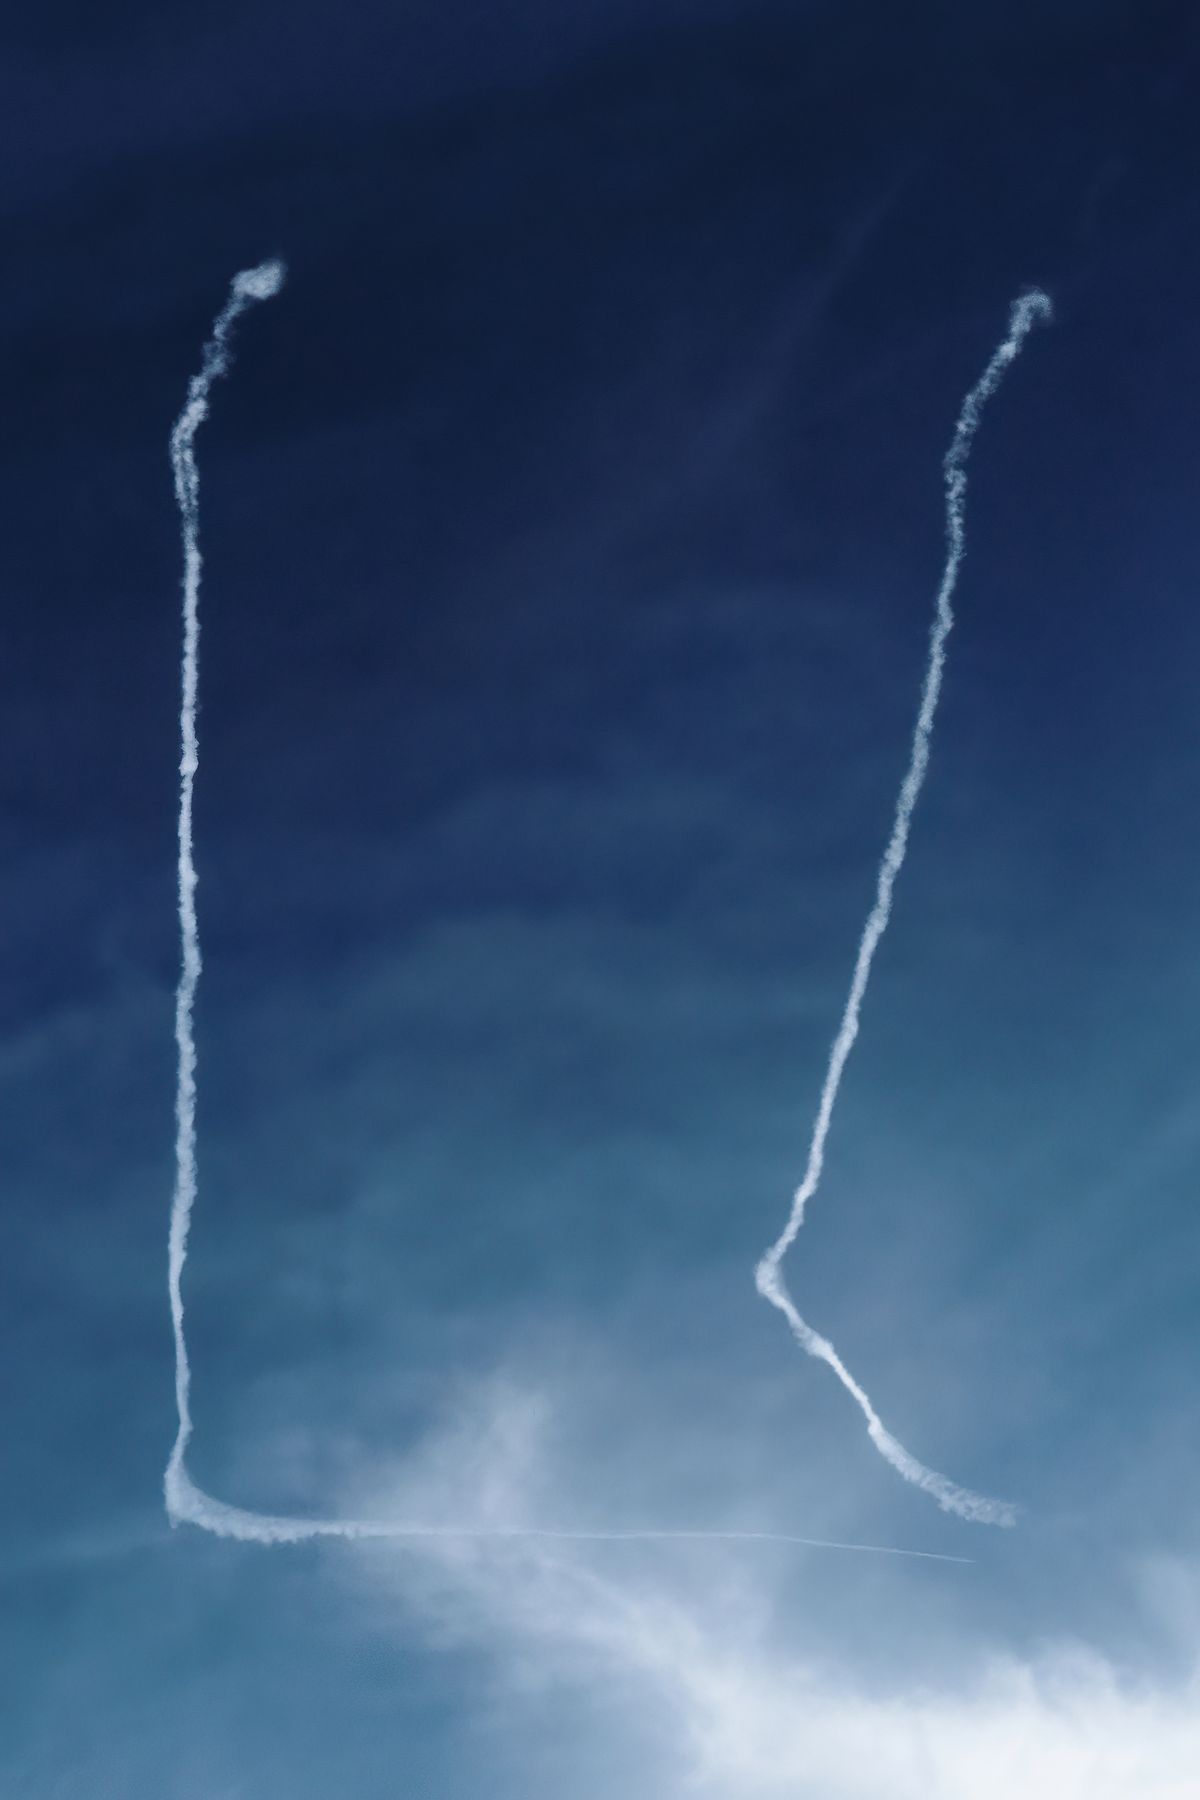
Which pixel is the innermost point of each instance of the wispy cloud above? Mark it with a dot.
(737, 1695)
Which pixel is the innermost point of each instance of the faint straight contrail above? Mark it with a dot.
(1027, 310)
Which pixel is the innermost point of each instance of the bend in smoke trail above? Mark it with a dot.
(1030, 308)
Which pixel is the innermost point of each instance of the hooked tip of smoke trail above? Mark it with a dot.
(1032, 306)
(261, 282)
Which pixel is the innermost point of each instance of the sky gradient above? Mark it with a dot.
(572, 523)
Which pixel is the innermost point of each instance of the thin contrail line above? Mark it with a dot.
(1027, 310)
(187, 1503)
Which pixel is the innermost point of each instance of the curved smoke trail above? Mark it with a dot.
(1029, 309)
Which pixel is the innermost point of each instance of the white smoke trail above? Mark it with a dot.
(188, 1504)
(248, 286)
(1029, 309)
(185, 1502)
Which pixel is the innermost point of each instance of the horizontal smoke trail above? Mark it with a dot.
(1029, 309)
(188, 1504)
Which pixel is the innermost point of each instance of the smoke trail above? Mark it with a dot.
(248, 286)
(1027, 310)
(189, 1504)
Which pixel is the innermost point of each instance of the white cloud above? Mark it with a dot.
(748, 1722)
(689, 1648)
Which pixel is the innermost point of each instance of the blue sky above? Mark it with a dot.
(572, 522)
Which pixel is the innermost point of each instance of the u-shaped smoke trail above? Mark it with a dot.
(1029, 309)
(185, 1501)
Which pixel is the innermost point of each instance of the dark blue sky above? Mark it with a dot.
(572, 522)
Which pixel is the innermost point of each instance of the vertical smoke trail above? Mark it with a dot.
(1027, 310)
(247, 287)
